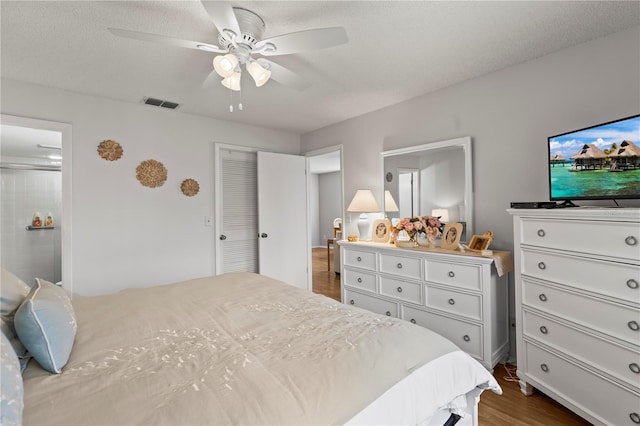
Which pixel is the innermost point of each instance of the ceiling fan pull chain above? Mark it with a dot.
(230, 100)
(240, 103)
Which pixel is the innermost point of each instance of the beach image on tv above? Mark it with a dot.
(600, 162)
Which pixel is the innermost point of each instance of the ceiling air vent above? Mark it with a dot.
(160, 103)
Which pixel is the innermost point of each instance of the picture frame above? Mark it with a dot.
(381, 231)
(451, 235)
(481, 242)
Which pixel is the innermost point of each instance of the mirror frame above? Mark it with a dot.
(465, 144)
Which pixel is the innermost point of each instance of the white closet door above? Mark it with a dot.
(237, 223)
(282, 207)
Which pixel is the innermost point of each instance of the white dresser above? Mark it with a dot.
(577, 299)
(459, 296)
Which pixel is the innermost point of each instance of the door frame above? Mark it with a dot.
(66, 130)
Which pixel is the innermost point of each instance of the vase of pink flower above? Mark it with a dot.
(419, 226)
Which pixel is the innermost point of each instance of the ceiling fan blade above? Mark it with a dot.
(211, 80)
(303, 40)
(167, 40)
(221, 13)
(284, 76)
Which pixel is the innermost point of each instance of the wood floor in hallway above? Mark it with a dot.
(511, 408)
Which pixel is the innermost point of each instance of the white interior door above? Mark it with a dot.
(282, 218)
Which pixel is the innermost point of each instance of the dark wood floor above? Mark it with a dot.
(511, 408)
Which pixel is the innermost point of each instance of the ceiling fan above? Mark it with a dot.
(240, 33)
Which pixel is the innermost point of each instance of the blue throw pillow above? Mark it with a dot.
(46, 325)
(11, 400)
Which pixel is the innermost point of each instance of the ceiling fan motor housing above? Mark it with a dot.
(251, 28)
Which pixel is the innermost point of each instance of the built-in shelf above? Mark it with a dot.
(35, 228)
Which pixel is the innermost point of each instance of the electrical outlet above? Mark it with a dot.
(208, 221)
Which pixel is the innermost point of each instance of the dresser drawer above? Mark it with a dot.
(467, 305)
(409, 267)
(611, 358)
(466, 336)
(465, 276)
(615, 239)
(403, 290)
(603, 399)
(370, 303)
(609, 318)
(360, 259)
(359, 279)
(619, 280)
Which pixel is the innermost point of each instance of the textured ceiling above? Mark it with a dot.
(396, 50)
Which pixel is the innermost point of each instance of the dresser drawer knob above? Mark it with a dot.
(542, 297)
(541, 233)
(452, 302)
(466, 338)
(413, 320)
(544, 367)
(635, 417)
(634, 367)
(359, 259)
(631, 240)
(542, 266)
(352, 302)
(543, 329)
(633, 325)
(399, 289)
(359, 279)
(388, 313)
(631, 283)
(451, 274)
(399, 266)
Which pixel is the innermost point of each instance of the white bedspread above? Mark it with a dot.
(239, 349)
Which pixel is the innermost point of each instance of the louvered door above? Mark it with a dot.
(239, 210)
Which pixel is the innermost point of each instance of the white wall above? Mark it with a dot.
(330, 185)
(314, 208)
(508, 114)
(124, 234)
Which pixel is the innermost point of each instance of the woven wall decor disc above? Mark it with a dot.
(151, 173)
(110, 150)
(190, 187)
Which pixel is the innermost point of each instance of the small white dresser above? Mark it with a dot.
(459, 296)
(577, 300)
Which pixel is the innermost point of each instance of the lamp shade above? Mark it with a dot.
(443, 214)
(232, 82)
(363, 202)
(225, 65)
(389, 203)
(259, 74)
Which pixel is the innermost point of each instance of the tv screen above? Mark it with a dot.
(600, 162)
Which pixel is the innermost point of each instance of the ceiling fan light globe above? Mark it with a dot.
(232, 82)
(225, 65)
(259, 74)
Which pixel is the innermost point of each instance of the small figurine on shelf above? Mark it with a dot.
(48, 222)
(37, 221)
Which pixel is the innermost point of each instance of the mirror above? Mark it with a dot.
(427, 177)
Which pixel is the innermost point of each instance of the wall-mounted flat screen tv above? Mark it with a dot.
(600, 162)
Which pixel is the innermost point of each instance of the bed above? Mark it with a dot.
(242, 348)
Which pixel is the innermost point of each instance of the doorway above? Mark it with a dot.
(409, 192)
(35, 183)
(325, 205)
